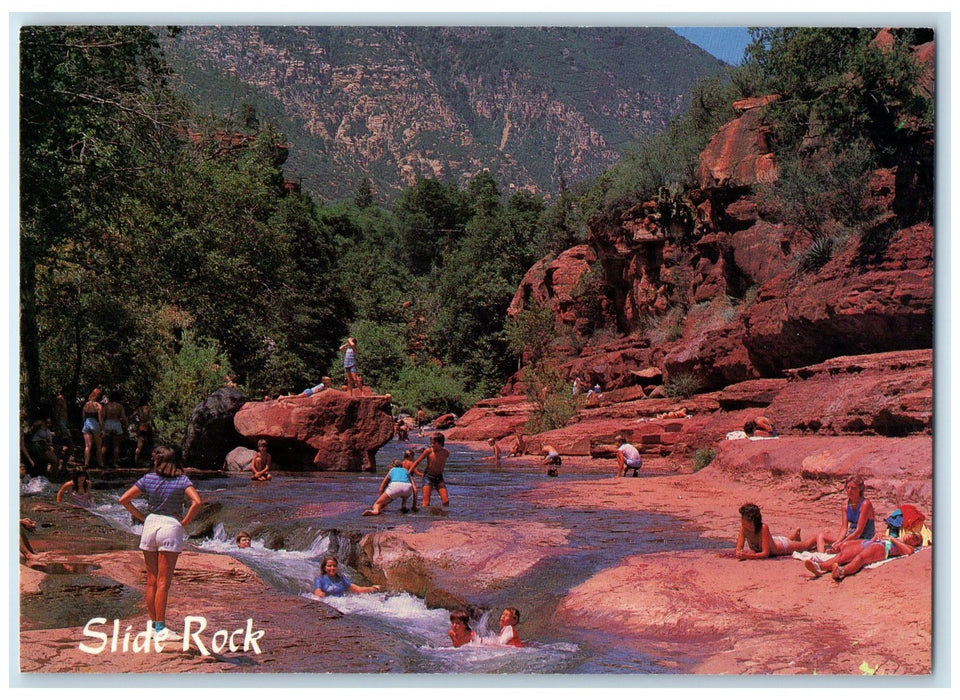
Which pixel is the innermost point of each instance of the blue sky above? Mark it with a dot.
(726, 43)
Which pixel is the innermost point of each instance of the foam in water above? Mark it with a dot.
(34, 486)
(426, 631)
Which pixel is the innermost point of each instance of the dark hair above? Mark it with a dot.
(439, 438)
(459, 615)
(323, 565)
(752, 513)
(261, 443)
(77, 473)
(408, 454)
(242, 534)
(167, 461)
(515, 613)
(749, 427)
(395, 463)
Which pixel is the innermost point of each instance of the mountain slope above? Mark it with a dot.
(533, 105)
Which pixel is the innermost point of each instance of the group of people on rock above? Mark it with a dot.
(854, 544)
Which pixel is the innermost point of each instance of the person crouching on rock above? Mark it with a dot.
(756, 542)
(759, 427)
(331, 583)
(551, 460)
(396, 484)
(856, 554)
(628, 457)
(167, 489)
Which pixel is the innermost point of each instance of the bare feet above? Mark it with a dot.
(796, 535)
(814, 568)
(371, 512)
(838, 574)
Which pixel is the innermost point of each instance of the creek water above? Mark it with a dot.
(298, 518)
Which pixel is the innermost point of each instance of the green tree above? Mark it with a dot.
(95, 112)
(188, 374)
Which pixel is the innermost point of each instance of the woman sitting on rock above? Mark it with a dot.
(857, 520)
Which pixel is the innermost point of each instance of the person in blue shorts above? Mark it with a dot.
(331, 583)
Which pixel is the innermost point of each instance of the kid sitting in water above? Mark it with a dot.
(330, 582)
(77, 490)
(509, 620)
(460, 632)
(436, 457)
(756, 535)
(260, 466)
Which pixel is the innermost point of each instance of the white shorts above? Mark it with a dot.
(162, 533)
(400, 489)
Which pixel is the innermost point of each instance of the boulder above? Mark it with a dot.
(239, 459)
(738, 155)
(432, 562)
(330, 430)
(445, 421)
(210, 432)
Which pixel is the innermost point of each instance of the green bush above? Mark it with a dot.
(186, 378)
(436, 388)
(682, 386)
(702, 457)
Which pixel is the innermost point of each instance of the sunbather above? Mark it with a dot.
(856, 554)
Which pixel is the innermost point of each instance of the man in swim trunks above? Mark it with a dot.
(436, 457)
(856, 554)
(628, 456)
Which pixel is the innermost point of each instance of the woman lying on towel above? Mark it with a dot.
(855, 555)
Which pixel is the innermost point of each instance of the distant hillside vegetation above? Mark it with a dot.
(535, 106)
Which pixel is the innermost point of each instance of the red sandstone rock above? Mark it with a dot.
(738, 155)
(848, 307)
(329, 430)
(553, 283)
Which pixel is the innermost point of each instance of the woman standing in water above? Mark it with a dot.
(167, 489)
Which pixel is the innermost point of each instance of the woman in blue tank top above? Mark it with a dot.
(396, 484)
(857, 522)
